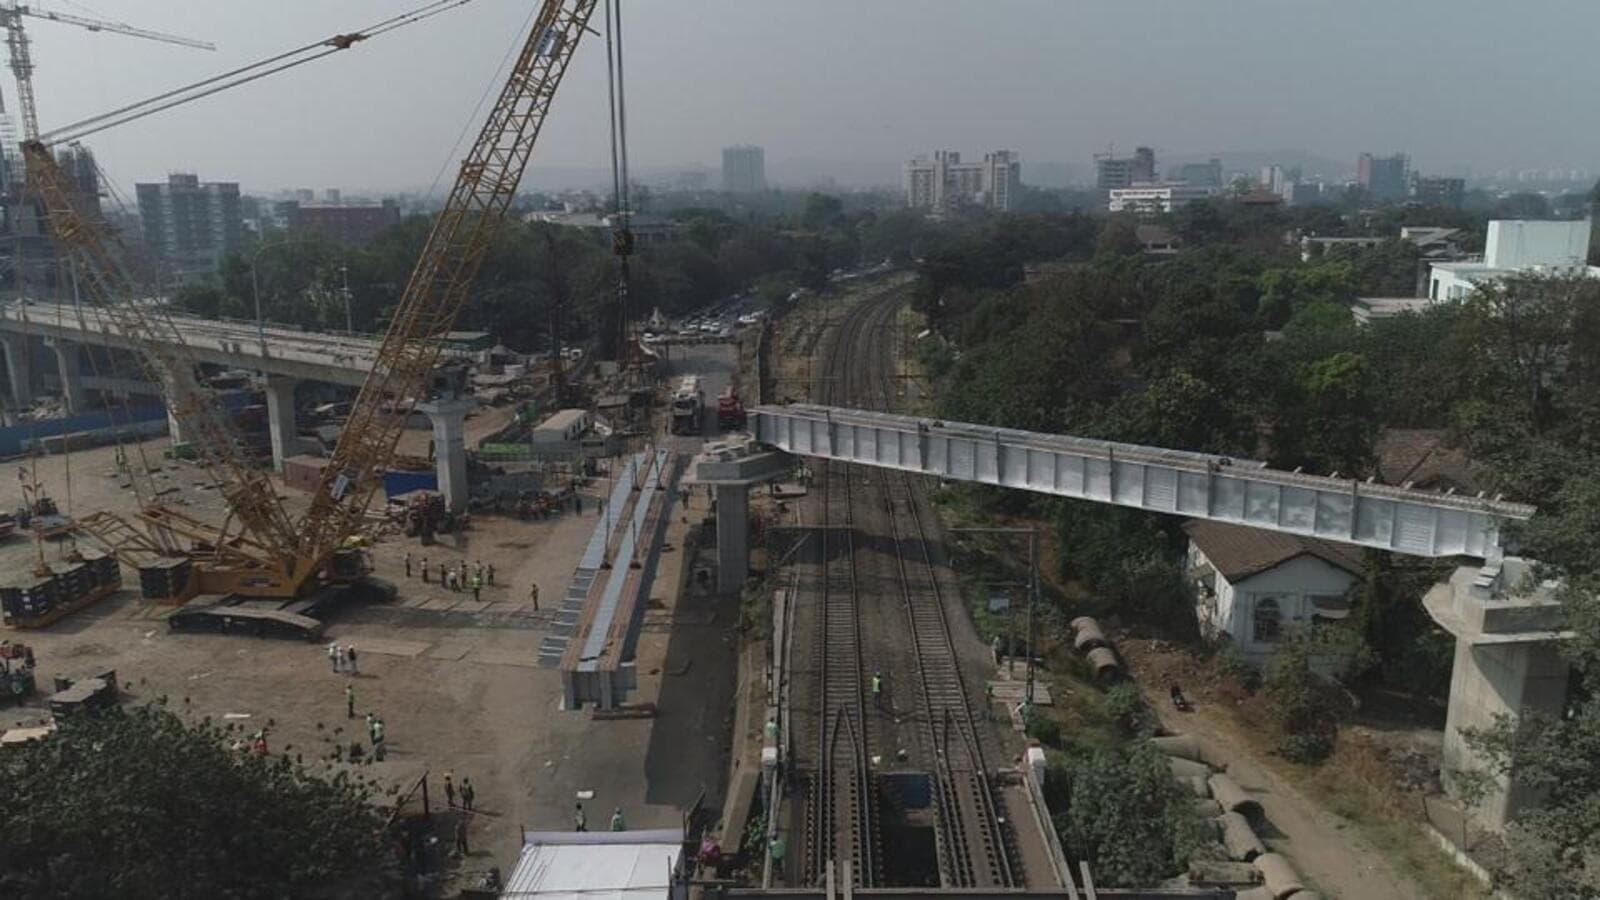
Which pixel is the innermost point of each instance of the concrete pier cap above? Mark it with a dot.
(731, 465)
(1506, 619)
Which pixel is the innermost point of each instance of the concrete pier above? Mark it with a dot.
(449, 420)
(1507, 663)
(69, 367)
(16, 351)
(733, 536)
(280, 418)
(732, 466)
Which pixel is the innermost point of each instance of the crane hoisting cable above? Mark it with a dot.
(255, 71)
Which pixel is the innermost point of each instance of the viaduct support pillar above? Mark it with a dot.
(68, 363)
(449, 419)
(280, 418)
(1507, 663)
(733, 537)
(16, 349)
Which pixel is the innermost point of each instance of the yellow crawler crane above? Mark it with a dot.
(260, 551)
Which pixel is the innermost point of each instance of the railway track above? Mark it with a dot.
(972, 844)
(841, 820)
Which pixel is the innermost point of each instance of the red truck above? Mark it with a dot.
(730, 411)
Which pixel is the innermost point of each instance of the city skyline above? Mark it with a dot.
(385, 115)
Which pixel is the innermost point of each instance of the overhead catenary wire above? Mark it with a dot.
(244, 74)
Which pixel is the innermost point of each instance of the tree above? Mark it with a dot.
(821, 211)
(1524, 205)
(1119, 237)
(1122, 813)
(139, 804)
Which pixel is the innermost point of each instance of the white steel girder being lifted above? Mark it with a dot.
(1197, 485)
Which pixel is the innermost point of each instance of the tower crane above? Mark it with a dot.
(268, 554)
(11, 15)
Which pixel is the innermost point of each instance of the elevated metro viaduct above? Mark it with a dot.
(1506, 659)
(285, 356)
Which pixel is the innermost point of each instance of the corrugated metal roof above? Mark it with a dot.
(596, 865)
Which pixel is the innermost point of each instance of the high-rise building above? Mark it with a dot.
(1144, 164)
(1443, 192)
(944, 183)
(744, 169)
(1125, 171)
(191, 225)
(1206, 174)
(1383, 177)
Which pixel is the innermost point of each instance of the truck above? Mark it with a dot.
(687, 403)
(730, 410)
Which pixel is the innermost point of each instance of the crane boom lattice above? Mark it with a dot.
(483, 190)
(87, 241)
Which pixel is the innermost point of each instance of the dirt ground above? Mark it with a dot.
(1323, 847)
(455, 680)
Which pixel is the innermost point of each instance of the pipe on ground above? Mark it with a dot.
(1187, 768)
(1104, 663)
(1279, 876)
(1239, 838)
(1190, 747)
(1233, 798)
(1087, 634)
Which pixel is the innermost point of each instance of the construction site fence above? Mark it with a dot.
(16, 439)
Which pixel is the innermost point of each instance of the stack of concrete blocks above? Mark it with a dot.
(1246, 865)
(1090, 640)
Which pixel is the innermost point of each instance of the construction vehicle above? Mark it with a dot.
(17, 681)
(688, 401)
(260, 551)
(730, 410)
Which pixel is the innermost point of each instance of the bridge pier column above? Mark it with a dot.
(280, 417)
(449, 420)
(68, 367)
(733, 537)
(1508, 663)
(16, 349)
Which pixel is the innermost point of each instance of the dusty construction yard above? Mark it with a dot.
(454, 680)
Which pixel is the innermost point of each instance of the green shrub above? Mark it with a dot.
(1043, 728)
(1126, 706)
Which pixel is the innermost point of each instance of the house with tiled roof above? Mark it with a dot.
(1253, 587)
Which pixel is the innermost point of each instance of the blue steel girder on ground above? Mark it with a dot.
(1196, 485)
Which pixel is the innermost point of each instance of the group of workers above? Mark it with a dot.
(457, 577)
(580, 820)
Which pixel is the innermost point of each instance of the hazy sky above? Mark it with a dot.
(1456, 83)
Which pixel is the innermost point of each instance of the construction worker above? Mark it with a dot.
(408, 565)
(877, 689)
(468, 795)
(349, 701)
(461, 836)
(777, 847)
(617, 822)
(580, 821)
(350, 656)
(533, 595)
(477, 585)
(490, 570)
(449, 791)
(424, 570)
(333, 656)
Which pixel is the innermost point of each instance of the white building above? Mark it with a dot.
(1517, 247)
(944, 183)
(1156, 198)
(1253, 587)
